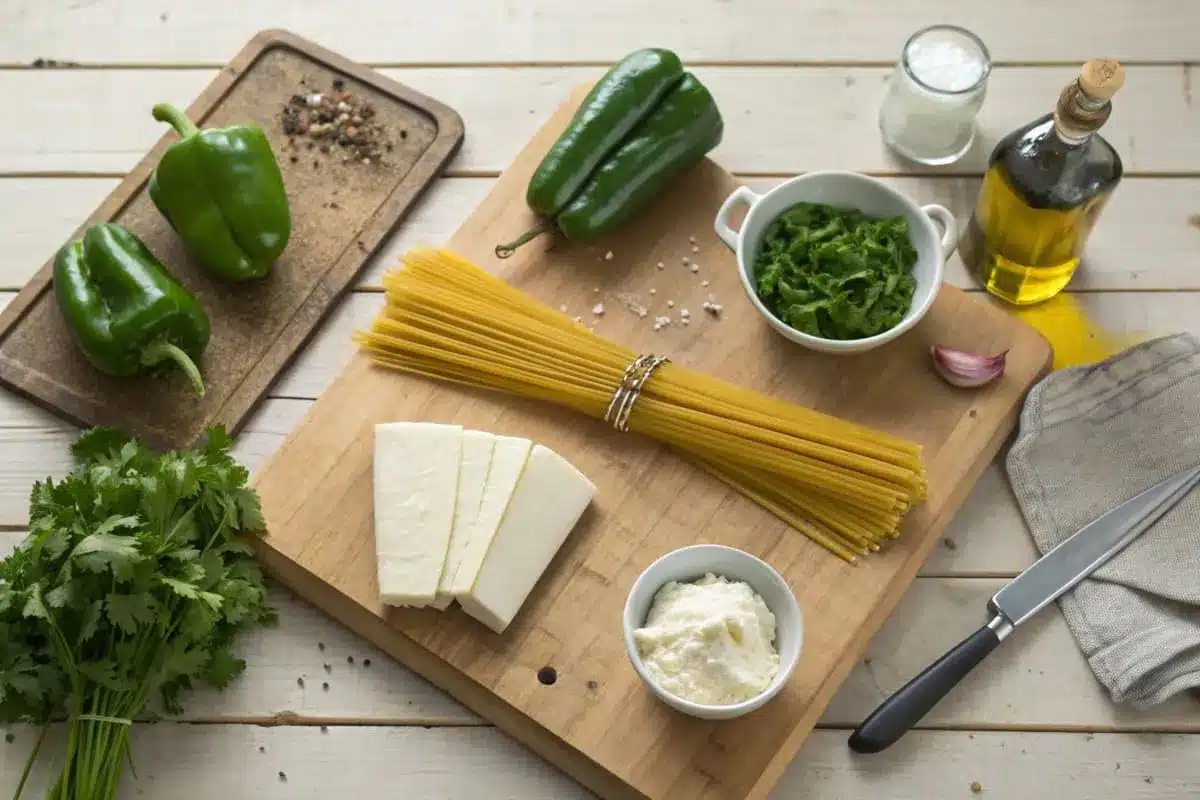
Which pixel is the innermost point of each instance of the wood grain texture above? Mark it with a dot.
(34, 443)
(1037, 680)
(243, 762)
(316, 494)
(779, 120)
(1145, 241)
(176, 31)
(67, 122)
(257, 327)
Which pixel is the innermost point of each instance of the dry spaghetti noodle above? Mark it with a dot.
(845, 486)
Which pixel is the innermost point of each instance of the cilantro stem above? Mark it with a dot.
(149, 605)
(29, 762)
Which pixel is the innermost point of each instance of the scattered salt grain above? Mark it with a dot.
(695, 249)
(683, 312)
(704, 283)
(660, 265)
(632, 304)
(654, 291)
(695, 267)
(576, 319)
(598, 309)
(661, 322)
(692, 239)
(563, 308)
(608, 256)
(670, 304)
(686, 261)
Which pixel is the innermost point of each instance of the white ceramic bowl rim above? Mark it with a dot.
(940, 244)
(785, 668)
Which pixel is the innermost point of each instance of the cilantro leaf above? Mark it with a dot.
(222, 668)
(106, 673)
(98, 443)
(136, 578)
(35, 608)
(129, 612)
(90, 620)
(184, 589)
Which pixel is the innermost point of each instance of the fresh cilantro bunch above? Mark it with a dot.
(134, 581)
(836, 274)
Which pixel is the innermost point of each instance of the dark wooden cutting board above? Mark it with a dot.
(341, 213)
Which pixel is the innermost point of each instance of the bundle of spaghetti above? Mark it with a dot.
(845, 485)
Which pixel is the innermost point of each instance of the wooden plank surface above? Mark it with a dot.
(33, 443)
(779, 120)
(1147, 241)
(462, 31)
(1143, 242)
(244, 762)
(1037, 680)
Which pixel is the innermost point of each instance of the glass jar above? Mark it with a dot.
(934, 95)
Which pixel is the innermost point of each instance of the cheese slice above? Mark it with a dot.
(549, 499)
(472, 478)
(416, 484)
(509, 455)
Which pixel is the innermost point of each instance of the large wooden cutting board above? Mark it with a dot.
(596, 721)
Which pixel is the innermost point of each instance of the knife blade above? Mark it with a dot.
(1039, 585)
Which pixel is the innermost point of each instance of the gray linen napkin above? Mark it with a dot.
(1091, 437)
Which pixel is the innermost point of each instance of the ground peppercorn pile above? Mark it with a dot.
(335, 122)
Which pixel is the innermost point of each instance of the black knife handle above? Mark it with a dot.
(906, 707)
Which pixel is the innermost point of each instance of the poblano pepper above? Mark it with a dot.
(640, 126)
(126, 313)
(222, 191)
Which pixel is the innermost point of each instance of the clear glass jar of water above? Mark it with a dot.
(934, 95)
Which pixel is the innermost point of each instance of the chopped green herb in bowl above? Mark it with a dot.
(836, 273)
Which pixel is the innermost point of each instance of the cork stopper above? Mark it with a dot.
(1085, 104)
(1100, 78)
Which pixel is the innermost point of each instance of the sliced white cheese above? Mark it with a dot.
(548, 501)
(509, 455)
(472, 478)
(416, 484)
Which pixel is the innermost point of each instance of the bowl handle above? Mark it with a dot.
(729, 236)
(943, 217)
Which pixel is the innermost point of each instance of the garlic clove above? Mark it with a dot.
(969, 370)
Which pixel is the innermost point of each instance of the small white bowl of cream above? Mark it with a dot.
(712, 631)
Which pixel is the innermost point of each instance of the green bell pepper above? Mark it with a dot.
(126, 313)
(222, 192)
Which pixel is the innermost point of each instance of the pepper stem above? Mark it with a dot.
(165, 112)
(163, 351)
(506, 250)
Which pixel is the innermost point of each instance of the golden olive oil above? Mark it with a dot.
(1045, 186)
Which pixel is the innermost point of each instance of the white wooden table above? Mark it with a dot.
(799, 82)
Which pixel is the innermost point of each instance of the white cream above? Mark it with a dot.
(711, 641)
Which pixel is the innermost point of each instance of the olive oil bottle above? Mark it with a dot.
(1045, 186)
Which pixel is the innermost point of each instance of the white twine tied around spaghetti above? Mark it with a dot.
(630, 388)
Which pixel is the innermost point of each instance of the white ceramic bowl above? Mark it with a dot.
(690, 563)
(843, 190)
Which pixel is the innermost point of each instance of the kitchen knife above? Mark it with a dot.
(1028, 593)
